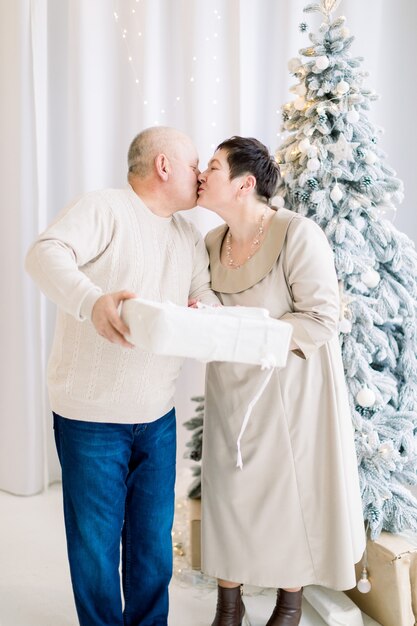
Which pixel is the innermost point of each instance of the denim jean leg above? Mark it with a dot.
(147, 540)
(94, 459)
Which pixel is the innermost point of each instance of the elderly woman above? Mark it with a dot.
(292, 516)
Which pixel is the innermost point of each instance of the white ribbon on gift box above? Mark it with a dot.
(166, 328)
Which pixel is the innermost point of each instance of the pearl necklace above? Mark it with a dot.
(256, 241)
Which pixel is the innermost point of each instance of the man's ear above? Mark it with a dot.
(162, 166)
(248, 184)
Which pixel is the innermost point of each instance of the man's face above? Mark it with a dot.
(184, 175)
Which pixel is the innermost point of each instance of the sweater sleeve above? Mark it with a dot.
(56, 259)
(200, 282)
(312, 280)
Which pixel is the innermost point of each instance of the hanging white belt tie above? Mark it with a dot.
(268, 363)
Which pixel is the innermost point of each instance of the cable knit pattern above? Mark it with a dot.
(105, 242)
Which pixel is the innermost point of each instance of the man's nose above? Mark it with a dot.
(201, 177)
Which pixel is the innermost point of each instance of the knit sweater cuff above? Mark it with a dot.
(86, 307)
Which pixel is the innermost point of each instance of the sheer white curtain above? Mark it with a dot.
(81, 77)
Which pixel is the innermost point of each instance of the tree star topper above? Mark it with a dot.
(342, 150)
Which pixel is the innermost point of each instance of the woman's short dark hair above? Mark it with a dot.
(246, 155)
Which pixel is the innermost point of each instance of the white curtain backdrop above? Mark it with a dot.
(80, 78)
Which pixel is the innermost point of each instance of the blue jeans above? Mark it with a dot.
(118, 486)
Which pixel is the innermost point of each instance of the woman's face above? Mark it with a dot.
(216, 191)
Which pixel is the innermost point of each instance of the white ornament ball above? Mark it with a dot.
(352, 116)
(312, 152)
(294, 64)
(345, 326)
(336, 193)
(371, 278)
(313, 165)
(365, 397)
(304, 145)
(360, 223)
(299, 104)
(301, 89)
(386, 448)
(364, 586)
(279, 201)
(370, 157)
(322, 62)
(342, 87)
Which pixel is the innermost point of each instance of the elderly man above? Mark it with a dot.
(113, 409)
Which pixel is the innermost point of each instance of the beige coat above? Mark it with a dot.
(292, 516)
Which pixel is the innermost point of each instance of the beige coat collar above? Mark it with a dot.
(229, 280)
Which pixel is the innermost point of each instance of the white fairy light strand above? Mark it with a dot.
(124, 33)
(213, 54)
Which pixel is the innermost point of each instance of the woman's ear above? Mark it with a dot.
(248, 184)
(162, 166)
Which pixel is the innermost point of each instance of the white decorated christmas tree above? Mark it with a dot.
(334, 172)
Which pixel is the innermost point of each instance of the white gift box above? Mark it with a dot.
(335, 608)
(234, 334)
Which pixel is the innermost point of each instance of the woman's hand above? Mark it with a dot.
(193, 303)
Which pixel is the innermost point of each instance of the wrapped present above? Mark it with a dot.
(335, 608)
(392, 571)
(234, 334)
(195, 533)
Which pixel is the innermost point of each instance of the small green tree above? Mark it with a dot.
(195, 446)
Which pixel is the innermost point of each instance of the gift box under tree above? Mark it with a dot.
(392, 571)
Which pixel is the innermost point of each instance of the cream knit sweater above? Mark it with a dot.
(105, 242)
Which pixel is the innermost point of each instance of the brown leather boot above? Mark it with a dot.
(230, 608)
(287, 610)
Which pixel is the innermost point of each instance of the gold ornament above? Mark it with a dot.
(308, 52)
(178, 549)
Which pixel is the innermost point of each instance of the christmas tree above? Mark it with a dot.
(195, 446)
(334, 172)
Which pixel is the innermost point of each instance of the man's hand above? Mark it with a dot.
(107, 320)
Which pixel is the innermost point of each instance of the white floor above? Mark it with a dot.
(35, 588)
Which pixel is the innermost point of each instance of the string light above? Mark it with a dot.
(131, 32)
(124, 34)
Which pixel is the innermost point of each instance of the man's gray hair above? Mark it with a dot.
(147, 145)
